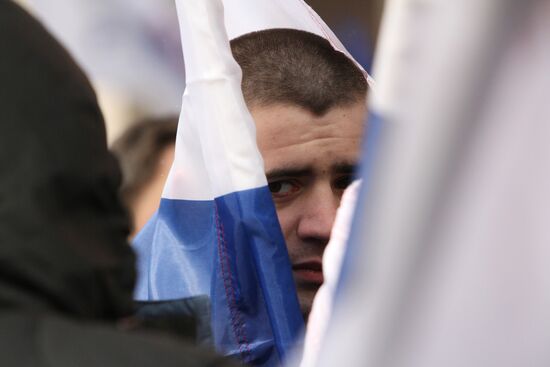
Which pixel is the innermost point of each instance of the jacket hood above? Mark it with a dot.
(63, 230)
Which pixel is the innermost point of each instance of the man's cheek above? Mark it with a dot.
(285, 220)
(288, 223)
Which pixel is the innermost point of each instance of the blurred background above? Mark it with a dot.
(131, 49)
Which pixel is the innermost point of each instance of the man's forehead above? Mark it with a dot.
(294, 142)
(284, 126)
(296, 113)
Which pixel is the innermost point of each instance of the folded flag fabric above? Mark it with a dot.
(216, 232)
(447, 259)
(245, 16)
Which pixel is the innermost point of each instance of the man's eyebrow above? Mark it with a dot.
(288, 172)
(339, 168)
(345, 168)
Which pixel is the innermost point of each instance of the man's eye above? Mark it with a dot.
(343, 182)
(283, 188)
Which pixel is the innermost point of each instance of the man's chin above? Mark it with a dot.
(305, 297)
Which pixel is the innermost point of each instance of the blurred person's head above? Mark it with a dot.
(63, 229)
(309, 104)
(66, 269)
(146, 153)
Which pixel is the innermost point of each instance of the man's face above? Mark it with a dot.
(309, 161)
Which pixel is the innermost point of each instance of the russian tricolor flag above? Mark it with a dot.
(216, 232)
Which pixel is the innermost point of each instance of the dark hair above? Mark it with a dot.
(296, 67)
(139, 150)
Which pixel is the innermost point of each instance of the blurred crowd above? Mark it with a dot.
(131, 52)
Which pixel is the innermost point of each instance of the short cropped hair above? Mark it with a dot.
(295, 67)
(139, 150)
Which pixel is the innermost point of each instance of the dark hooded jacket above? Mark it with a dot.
(66, 269)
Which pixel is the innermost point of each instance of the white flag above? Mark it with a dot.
(448, 259)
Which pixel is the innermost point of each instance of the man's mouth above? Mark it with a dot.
(309, 271)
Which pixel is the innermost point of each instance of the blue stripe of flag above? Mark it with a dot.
(231, 249)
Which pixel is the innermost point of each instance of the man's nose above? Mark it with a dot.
(318, 213)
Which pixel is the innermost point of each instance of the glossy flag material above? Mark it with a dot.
(245, 16)
(216, 232)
